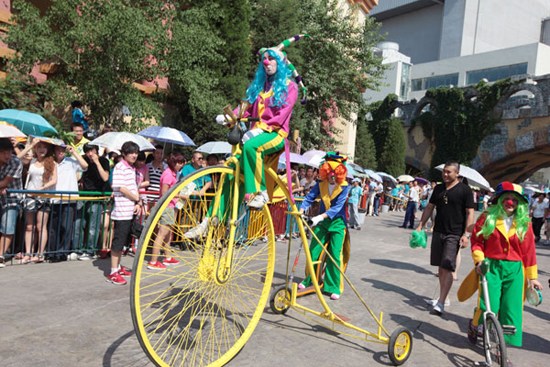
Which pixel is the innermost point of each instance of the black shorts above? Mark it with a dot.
(121, 234)
(444, 250)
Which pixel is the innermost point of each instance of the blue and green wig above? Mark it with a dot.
(279, 81)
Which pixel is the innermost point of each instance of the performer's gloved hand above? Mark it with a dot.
(316, 220)
(251, 133)
(220, 119)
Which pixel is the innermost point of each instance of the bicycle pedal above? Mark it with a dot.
(508, 329)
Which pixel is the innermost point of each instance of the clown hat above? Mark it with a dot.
(507, 186)
(335, 157)
(279, 51)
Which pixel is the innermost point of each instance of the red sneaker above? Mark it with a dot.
(103, 254)
(124, 271)
(170, 261)
(116, 278)
(156, 266)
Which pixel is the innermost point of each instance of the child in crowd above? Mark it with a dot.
(127, 205)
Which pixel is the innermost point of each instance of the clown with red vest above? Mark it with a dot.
(329, 227)
(503, 235)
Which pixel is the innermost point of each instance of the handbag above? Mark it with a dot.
(136, 227)
(235, 135)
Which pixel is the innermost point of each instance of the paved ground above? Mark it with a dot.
(65, 314)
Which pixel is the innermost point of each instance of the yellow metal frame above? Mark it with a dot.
(382, 335)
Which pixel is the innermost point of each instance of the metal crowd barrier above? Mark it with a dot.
(56, 224)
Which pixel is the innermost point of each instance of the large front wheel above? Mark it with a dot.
(493, 342)
(202, 310)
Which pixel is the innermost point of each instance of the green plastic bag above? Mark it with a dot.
(418, 239)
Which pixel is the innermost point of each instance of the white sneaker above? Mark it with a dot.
(84, 257)
(433, 302)
(259, 200)
(438, 309)
(198, 231)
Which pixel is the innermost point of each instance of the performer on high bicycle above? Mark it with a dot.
(271, 97)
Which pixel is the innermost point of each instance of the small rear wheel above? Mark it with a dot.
(493, 343)
(279, 301)
(400, 346)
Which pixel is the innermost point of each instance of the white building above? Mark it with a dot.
(460, 42)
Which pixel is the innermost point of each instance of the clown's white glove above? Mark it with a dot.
(220, 119)
(251, 133)
(316, 220)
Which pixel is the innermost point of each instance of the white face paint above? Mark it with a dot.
(270, 64)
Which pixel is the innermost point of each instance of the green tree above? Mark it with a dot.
(388, 135)
(392, 158)
(209, 63)
(99, 49)
(365, 151)
(456, 123)
(337, 62)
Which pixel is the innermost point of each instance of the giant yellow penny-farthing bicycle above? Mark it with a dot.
(202, 311)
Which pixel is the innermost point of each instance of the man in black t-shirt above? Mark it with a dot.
(452, 229)
(89, 215)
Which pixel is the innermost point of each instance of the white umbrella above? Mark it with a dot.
(314, 157)
(167, 134)
(473, 176)
(373, 175)
(114, 140)
(9, 131)
(294, 158)
(215, 147)
(405, 178)
(388, 176)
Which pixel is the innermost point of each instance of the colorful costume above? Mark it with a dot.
(270, 97)
(332, 229)
(507, 242)
(274, 125)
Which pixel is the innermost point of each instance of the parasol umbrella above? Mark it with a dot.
(294, 158)
(314, 157)
(405, 178)
(473, 176)
(373, 175)
(387, 177)
(28, 122)
(357, 168)
(166, 134)
(215, 147)
(9, 131)
(421, 180)
(52, 141)
(114, 140)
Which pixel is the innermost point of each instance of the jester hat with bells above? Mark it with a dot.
(334, 165)
(279, 51)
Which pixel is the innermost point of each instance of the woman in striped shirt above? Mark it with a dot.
(156, 167)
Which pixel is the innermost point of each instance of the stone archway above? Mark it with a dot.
(517, 167)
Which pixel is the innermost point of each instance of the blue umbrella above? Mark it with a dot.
(167, 135)
(28, 122)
